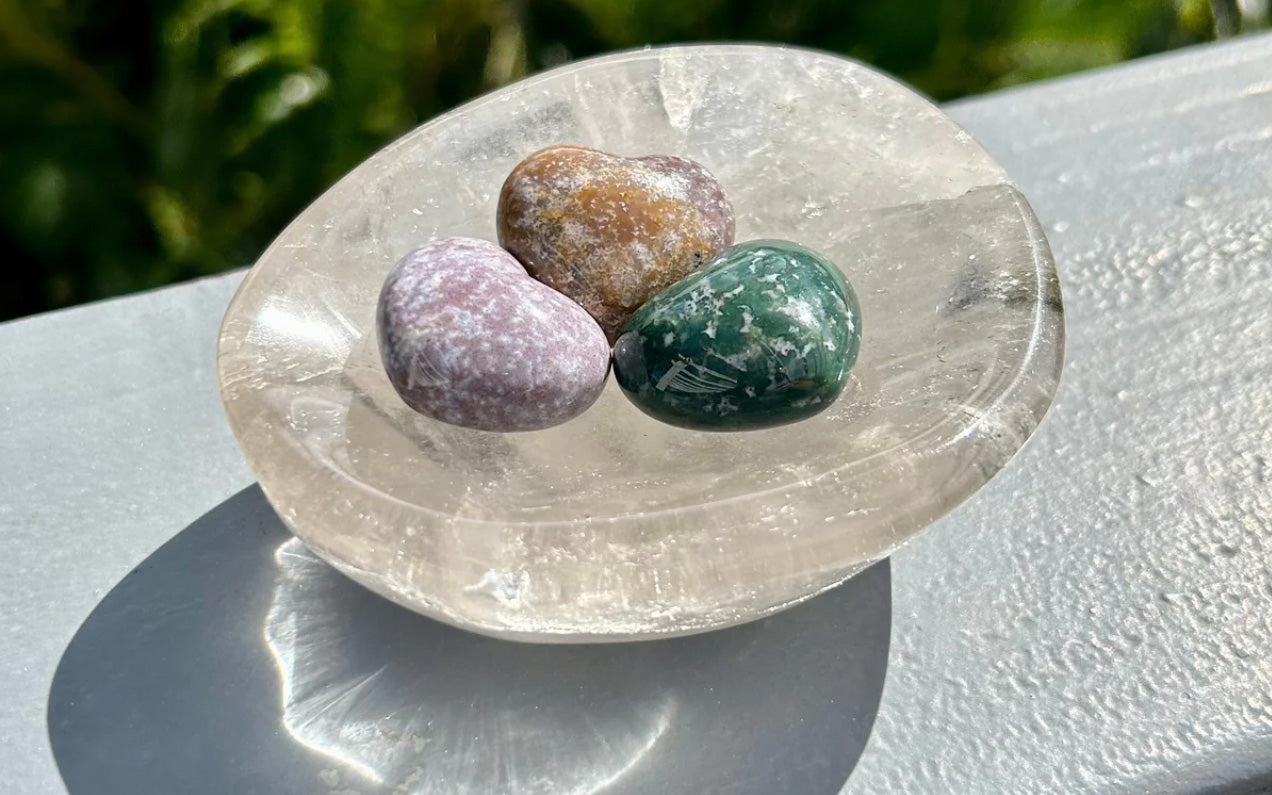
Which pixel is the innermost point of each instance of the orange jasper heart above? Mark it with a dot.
(610, 232)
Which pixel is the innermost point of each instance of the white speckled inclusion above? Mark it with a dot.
(614, 526)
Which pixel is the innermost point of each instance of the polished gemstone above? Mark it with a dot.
(762, 336)
(611, 231)
(468, 338)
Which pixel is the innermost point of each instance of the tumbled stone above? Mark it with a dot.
(762, 336)
(610, 231)
(467, 337)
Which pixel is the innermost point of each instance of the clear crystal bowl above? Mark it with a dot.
(614, 526)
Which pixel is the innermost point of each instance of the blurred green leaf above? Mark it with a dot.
(148, 142)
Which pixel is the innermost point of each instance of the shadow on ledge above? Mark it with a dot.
(233, 661)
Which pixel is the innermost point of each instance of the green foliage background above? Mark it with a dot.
(148, 141)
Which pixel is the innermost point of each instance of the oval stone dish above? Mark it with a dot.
(614, 526)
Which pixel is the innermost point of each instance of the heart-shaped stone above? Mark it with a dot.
(762, 336)
(467, 337)
(610, 231)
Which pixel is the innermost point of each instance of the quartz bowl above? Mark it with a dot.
(614, 526)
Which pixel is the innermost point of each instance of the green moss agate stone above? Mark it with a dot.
(763, 335)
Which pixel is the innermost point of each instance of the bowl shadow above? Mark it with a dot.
(233, 660)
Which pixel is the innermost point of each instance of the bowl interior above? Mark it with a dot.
(614, 525)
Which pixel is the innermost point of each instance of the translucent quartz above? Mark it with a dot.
(616, 526)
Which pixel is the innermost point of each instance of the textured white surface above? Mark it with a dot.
(1096, 620)
(111, 441)
(1099, 618)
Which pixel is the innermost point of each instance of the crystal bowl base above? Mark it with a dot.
(614, 526)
